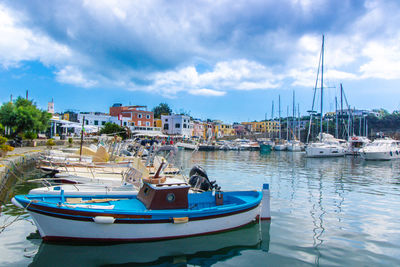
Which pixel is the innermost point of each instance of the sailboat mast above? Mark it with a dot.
(293, 118)
(280, 135)
(336, 126)
(322, 82)
(287, 123)
(298, 124)
(272, 119)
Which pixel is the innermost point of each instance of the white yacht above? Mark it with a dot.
(328, 146)
(356, 143)
(381, 149)
(187, 145)
(281, 146)
(295, 146)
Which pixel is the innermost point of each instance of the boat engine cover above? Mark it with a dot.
(200, 182)
(198, 170)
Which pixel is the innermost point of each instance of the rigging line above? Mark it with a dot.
(315, 91)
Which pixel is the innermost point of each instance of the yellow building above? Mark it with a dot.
(262, 126)
(157, 123)
(251, 126)
(226, 130)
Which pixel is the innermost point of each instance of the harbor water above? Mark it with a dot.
(325, 212)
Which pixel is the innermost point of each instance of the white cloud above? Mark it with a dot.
(206, 92)
(20, 44)
(72, 75)
(226, 75)
(384, 61)
(217, 33)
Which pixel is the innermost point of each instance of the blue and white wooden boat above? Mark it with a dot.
(157, 212)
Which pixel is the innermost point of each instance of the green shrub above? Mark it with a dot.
(30, 135)
(50, 142)
(3, 140)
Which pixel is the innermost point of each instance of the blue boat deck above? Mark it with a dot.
(199, 203)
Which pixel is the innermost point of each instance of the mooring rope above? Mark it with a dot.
(17, 218)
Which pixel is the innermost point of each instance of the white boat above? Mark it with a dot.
(206, 248)
(356, 143)
(295, 146)
(381, 149)
(281, 147)
(187, 146)
(156, 213)
(327, 147)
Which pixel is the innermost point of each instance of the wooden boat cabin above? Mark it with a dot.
(164, 196)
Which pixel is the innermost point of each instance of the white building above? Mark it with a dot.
(98, 120)
(177, 125)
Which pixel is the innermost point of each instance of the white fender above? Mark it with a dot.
(104, 219)
(265, 203)
(16, 203)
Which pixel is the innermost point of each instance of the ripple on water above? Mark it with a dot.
(335, 212)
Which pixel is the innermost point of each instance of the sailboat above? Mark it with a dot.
(295, 145)
(281, 145)
(328, 146)
(267, 145)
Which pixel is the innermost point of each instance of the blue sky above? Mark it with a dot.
(214, 59)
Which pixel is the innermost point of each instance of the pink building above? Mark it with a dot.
(198, 129)
(239, 129)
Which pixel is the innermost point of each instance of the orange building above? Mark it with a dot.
(137, 116)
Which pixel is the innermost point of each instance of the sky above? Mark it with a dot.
(216, 59)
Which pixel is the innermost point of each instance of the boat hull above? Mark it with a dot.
(324, 152)
(387, 155)
(281, 147)
(265, 148)
(53, 228)
(294, 148)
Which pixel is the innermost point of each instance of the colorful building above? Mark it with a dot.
(177, 125)
(198, 129)
(135, 114)
(157, 123)
(262, 126)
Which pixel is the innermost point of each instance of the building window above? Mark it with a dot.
(86, 122)
(139, 123)
(103, 123)
(184, 125)
(96, 122)
(177, 125)
(132, 124)
(166, 119)
(139, 115)
(166, 126)
(148, 117)
(125, 123)
(147, 123)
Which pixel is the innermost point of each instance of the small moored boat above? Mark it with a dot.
(163, 211)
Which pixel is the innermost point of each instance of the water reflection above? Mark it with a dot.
(341, 211)
(203, 250)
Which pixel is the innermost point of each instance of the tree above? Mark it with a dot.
(23, 116)
(112, 128)
(161, 109)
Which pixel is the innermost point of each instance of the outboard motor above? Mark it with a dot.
(199, 180)
(198, 170)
